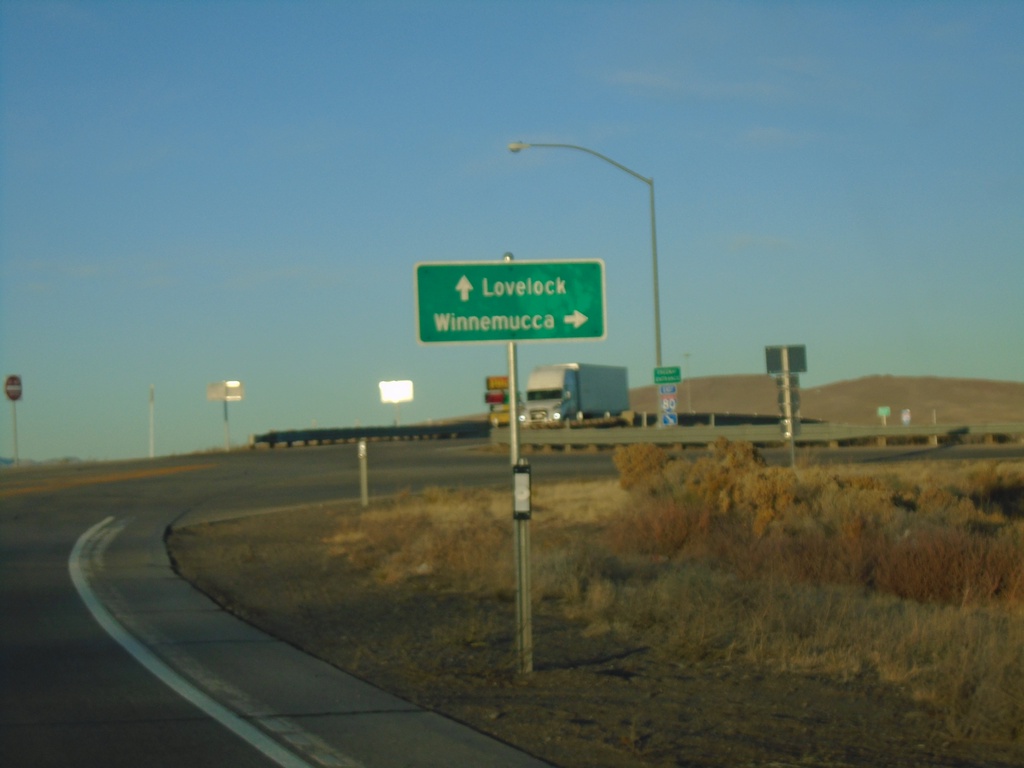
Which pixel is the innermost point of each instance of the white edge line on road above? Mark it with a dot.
(237, 725)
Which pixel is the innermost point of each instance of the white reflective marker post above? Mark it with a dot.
(364, 484)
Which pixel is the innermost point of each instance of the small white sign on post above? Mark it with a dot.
(228, 392)
(396, 392)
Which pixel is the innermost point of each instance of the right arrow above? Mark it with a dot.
(576, 319)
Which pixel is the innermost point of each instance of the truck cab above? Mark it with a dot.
(552, 394)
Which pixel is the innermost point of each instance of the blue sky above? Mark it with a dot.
(199, 191)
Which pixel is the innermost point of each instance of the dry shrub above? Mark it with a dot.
(739, 455)
(715, 479)
(909, 536)
(659, 528)
(639, 464)
(941, 503)
(951, 566)
(853, 512)
(991, 486)
(767, 494)
(712, 483)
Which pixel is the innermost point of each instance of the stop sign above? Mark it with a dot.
(12, 386)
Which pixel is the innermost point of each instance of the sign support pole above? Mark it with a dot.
(788, 407)
(12, 388)
(227, 429)
(364, 483)
(14, 423)
(783, 363)
(225, 391)
(521, 523)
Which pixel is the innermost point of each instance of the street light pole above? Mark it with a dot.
(517, 146)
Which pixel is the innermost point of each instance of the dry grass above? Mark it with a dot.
(915, 575)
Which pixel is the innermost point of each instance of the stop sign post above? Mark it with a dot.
(12, 388)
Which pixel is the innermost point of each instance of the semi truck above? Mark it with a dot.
(575, 391)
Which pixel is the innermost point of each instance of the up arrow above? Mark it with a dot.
(464, 287)
(576, 319)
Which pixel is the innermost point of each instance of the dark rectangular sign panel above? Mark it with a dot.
(797, 359)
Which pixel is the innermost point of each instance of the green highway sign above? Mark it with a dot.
(490, 301)
(667, 375)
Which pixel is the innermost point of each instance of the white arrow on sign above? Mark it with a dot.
(576, 319)
(464, 287)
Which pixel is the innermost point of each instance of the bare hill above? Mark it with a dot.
(929, 398)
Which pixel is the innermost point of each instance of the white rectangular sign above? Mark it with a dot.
(229, 391)
(396, 391)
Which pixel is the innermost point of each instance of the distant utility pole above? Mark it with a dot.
(152, 404)
(686, 374)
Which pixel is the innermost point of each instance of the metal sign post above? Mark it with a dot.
(226, 391)
(520, 521)
(152, 434)
(12, 388)
(784, 363)
(511, 302)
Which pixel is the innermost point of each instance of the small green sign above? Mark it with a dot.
(667, 375)
(488, 301)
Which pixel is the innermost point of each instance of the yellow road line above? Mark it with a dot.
(63, 483)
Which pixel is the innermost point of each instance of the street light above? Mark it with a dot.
(517, 146)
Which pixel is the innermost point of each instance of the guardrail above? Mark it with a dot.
(763, 435)
(759, 434)
(329, 436)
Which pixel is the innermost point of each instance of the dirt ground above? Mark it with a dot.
(592, 700)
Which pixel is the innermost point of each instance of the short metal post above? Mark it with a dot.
(227, 429)
(364, 485)
(521, 512)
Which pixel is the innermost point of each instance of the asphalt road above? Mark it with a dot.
(106, 659)
(92, 615)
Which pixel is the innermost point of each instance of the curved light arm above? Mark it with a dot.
(517, 146)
